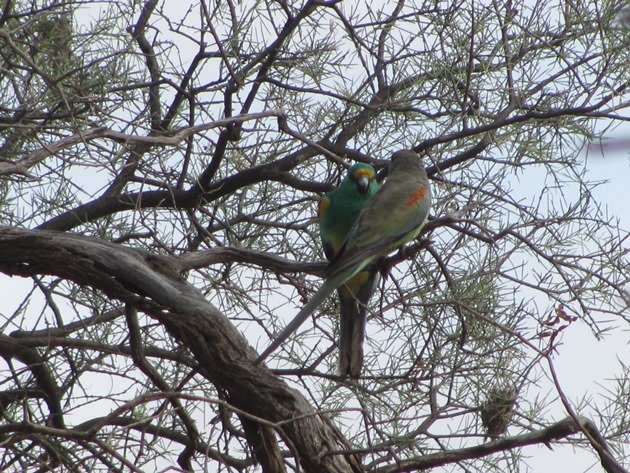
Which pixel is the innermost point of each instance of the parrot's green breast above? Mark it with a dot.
(339, 209)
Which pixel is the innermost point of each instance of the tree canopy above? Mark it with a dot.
(160, 166)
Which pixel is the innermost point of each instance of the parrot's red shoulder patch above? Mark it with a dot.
(417, 196)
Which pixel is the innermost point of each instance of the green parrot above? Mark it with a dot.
(394, 216)
(337, 212)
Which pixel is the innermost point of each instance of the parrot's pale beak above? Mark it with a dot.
(363, 182)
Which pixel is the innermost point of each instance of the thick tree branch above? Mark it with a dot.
(228, 254)
(559, 430)
(150, 58)
(45, 381)
(224, 354)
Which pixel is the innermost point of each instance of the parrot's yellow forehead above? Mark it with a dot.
(369, 173)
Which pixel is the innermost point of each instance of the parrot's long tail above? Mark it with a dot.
(352, 321)
(351, 335)
(322, 293)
